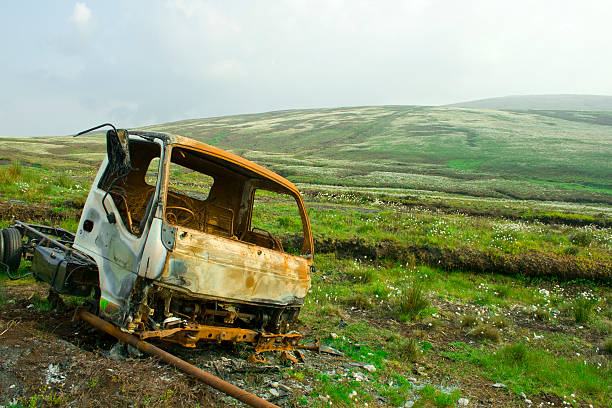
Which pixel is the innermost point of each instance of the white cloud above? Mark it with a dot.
(81, 15)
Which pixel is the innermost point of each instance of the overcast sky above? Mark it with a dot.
(67, 65)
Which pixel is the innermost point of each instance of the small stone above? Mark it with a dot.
(333, 335)
(359, 376)
(499, 385)
(463, 402)
(284, 388)
(408, 404)
(117, 352)
(274, 392)
(369, 367)
(134, 351)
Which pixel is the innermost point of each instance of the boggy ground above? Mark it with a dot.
(484, 341)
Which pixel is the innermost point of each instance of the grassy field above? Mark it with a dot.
(541, 155)
(455, 248)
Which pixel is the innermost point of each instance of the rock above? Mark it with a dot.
(284, 388)
(274, 392)
(499, 385)
(369, 367)
(133, 351)
(53, 375)
(359, 376)
(117, 352)
(464, 402)
(333, 335)
(408, 404)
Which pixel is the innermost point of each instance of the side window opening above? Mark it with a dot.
(273, 216)
(131, 194)
(152, 172)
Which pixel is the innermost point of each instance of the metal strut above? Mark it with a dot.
(174, 361)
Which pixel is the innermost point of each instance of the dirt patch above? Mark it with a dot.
(38, 213)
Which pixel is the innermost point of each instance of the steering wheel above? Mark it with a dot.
(173, 218)
(180, 195)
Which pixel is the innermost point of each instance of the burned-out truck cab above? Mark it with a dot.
(181, 256)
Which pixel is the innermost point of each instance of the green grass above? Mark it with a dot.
(376, 178)
(532, 370)
(469, 151)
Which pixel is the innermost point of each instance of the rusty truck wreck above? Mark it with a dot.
(166, 243)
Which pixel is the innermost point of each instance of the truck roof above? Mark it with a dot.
(224, 155)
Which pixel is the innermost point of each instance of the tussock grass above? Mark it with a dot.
(411, 300)
(514, 354)
(542, 314)
(12, 173)
(608, 345)
(406, 348)
(500, 322)
(582, 309)
(360, 300)
(486, 332)
(469, 320)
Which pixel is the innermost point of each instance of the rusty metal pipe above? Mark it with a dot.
(174, 361)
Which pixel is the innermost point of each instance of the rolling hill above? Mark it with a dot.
(542, 102)
(542, 155)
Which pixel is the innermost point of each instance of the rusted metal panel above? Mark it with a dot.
(221, 268)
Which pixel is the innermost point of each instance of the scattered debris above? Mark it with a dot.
(370, 368)
(53, 375)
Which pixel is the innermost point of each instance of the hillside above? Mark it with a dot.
(543, 155)
(542, 102)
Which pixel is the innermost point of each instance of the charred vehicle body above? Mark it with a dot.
(166, 242)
